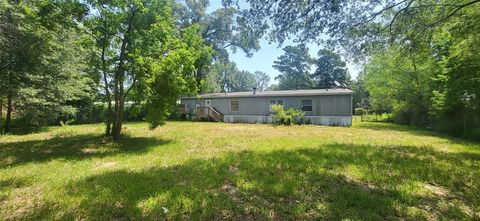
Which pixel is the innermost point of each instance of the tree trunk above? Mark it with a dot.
(115, 133)
(119, 80)
(199, 79)
(107, 93)
(1, 108)
(1, 113)
(121, 102)
(9, 113)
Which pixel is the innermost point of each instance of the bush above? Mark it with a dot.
(360, 111)
(289, 117)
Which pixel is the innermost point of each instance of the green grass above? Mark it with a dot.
(215, 171)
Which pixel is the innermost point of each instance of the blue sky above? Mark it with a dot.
(268, 53)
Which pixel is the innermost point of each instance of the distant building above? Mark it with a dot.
(321, 106)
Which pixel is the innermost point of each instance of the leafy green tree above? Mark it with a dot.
(224, 29)
(261, 80)
(359, 27)
(226, 77)
(42, 72)
(294, 66)
(273, 87)
(144, 56)
(240, 81)
(361, 96)
(420, 53)
(455, 99)
(400, 84)
(330, 68)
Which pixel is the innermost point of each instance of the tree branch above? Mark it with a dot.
(389, 26)
(460, 7)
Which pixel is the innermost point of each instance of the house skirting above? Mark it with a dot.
(318, 120)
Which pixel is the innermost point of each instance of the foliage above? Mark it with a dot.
(224, 29)
(399, 84)
(96, 113)
(289, 117)
(261, 80)
(294, 66)
(386, 118)
(240, 81)
(330, 68)
(359, 27)
(361, 96)
(432, 84)
(172, 76)
(370, 171)
(225, 77)
(42, 70)
(360, 111)
(144, 57)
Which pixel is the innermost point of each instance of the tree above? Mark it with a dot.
(226, 77)
(41, 71)
(357, 27)
(361, 96)
(420, 53)
(261, 80)
(330, 68)
(144, 57)
(223, 29)
(456, 95)
(240, 81)
(400, 84)
(294, 66)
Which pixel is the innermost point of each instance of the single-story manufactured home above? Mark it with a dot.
(321, 106)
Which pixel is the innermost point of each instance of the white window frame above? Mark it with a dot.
(311, 105)
(276, 103)
(238, 108)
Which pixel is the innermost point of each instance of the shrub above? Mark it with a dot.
(289, 117)
(360, 111)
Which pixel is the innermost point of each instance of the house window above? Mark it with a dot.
(307, 105)
(275, 102)
(234, 105)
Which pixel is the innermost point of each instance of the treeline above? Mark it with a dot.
(434, 83)
(296, 64)
(85, 61)
(421, 56)
(226, 77)
(44, 72)
(58, 57)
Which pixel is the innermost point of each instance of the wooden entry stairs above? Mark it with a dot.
(210, 113)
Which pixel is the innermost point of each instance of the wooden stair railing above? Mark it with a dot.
(216, 114)
(209, 112)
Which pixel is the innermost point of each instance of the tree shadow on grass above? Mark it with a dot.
(413, 130)
(302, 184)
(28, 130)
(71, 147)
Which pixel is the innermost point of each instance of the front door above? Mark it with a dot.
(208, 103)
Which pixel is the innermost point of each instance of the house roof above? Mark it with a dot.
(285, 93)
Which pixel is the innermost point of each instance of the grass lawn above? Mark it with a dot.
(215, 171)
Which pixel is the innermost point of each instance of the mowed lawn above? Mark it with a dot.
(217, 171)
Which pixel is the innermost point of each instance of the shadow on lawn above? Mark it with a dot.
(414, 130)
(72, 147)
(396, 127)
(301, 184)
